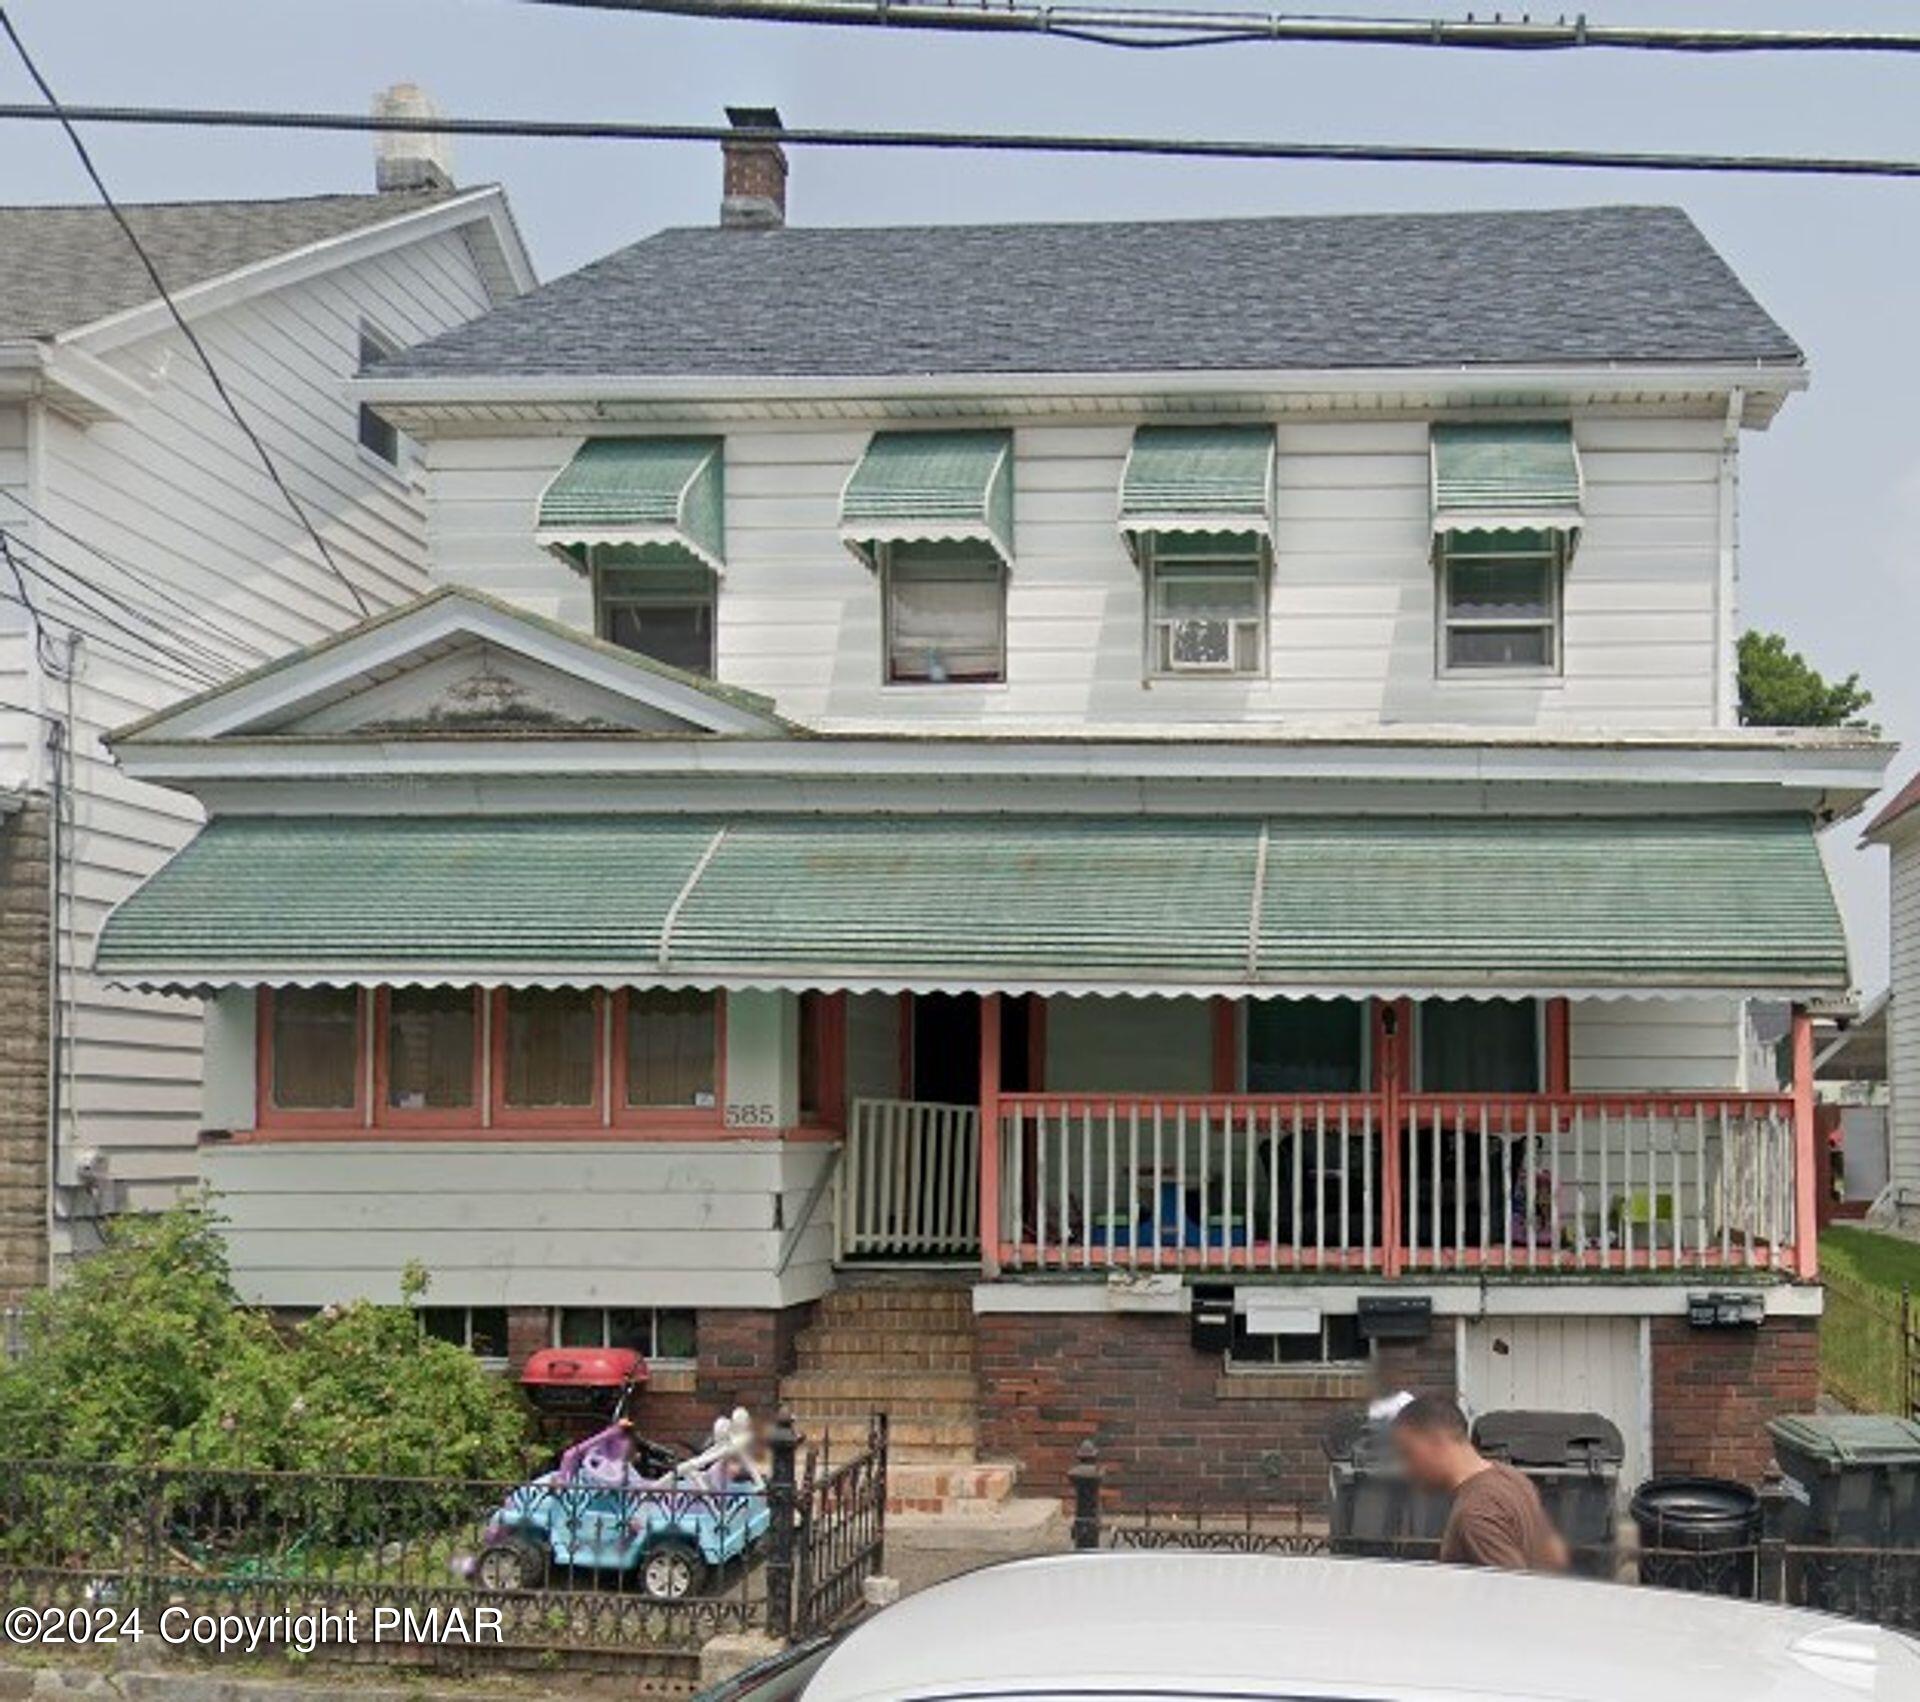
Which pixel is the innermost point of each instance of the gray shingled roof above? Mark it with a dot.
(65, 267)
(1622, 284)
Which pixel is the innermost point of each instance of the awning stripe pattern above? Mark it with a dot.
(1619, 906)
(1503, 476)
(930, 486)
(1206, 479)
(665, 495)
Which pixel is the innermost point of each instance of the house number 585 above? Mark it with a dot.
(745, 1116)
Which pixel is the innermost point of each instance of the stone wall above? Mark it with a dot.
(23, 1050)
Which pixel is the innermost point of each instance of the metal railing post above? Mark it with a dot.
(1085, 1476)
(783, 1441)
(1770, 1568)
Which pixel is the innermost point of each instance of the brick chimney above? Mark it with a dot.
(409, 159)
(753, 191)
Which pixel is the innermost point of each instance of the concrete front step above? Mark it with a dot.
(1003, 1529)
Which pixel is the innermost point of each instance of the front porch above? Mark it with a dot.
(1387, 1180)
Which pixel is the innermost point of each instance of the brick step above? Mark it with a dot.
(882, 1362)
(952, 1486)
(879, 1388)
(829, 1341)
(910, 1439)
(948, 1308)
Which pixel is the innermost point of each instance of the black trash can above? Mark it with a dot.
(1375, 1510)
(1700, 1534)
(1574, 1460)
(1853, 1482)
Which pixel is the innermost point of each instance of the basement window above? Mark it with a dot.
(662, 1335)
(481, 1330)
(1306, 1342)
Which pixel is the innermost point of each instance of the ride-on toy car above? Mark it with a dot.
(596, 1511)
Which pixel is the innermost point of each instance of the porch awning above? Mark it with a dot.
(1205, 479)
(930, 487)
(1505, 476)
(661, 496)
(1388, 905)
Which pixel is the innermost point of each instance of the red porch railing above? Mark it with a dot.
(1392, 1183)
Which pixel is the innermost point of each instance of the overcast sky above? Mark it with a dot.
(1829, 493)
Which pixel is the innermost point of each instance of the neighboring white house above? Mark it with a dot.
(147, 554)
(1184, 775)
(1897, 827)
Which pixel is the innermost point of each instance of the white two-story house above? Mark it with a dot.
(147, 551)
(1178, 780)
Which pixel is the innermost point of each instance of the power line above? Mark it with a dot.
(164, 656)
(1160, 147)
(1170, 27)
(105, 643)
(183, 647)
(59, 113)
(162, 592)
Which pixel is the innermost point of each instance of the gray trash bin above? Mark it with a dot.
(1375, 1510)
(1574, 1460)
(1853, 1482)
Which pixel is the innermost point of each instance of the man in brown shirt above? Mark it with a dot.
(1497, 1517)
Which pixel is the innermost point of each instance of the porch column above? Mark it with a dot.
(990, 1013)
(1806, 1171)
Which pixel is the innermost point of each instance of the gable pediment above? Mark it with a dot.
(459, 663)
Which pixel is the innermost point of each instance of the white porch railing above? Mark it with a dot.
(1397, 1183)
(910, 1181)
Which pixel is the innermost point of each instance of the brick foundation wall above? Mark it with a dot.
(1715, 1390)
(23, 1051)
(1165, 1415)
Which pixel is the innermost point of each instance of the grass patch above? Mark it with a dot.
(1881, 1261)
(1864, 1353)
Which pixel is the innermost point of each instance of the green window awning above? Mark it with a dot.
(1198, 479)
(931, 486)
(1505, 476)
(662, 497)
(1388, 905)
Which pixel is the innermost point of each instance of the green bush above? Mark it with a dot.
(145, 1356)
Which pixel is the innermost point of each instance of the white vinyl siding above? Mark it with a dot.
(1903, 1015)
(524, 1223)
(1655, 1045)
(19, 732)
(1351, 610)
(177, 493)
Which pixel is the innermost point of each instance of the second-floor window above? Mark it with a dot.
(1206, 606)
(1500, 602)
(377, 436)
(664, 613)
(946, 614)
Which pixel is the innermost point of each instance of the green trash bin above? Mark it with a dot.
(1853, 1481)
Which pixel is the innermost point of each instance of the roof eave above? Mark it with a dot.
(1765, 382)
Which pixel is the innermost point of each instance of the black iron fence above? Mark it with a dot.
(1877, 1584)
(357, 1564)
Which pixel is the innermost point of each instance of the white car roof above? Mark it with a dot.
(1257, 1626)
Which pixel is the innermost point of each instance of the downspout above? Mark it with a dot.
(1726, 602)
